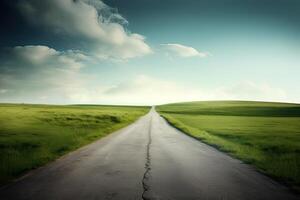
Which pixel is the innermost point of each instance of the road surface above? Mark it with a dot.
(146, 160)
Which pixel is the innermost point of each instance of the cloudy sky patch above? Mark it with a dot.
(91, 23)
(114, 52)
(184, 51)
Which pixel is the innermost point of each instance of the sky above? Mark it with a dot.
(148, 52)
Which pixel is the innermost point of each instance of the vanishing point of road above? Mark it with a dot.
(146, 160)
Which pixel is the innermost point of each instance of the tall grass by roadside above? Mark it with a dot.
(32, 135)
(266, 135)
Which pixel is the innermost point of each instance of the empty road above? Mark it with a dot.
(146, 160)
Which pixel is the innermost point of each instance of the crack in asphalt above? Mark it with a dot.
(146, 176)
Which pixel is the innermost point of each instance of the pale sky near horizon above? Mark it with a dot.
(146, 52)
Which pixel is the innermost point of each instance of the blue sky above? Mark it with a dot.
(149, 52)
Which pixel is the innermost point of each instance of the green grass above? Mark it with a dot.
(32, 135)
(266, 135)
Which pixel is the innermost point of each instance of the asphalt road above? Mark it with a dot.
(146, 160)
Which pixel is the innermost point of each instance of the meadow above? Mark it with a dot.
(33, 135)
(266, 135)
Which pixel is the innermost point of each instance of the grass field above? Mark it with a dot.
(32, 135)
(266, 135)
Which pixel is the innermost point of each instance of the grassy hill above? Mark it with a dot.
(264, 134)
(32, 135)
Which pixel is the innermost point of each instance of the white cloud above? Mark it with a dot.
(32, 72)
(184, 51)
(91, 22)
(33, 54)
(43, 56)
(44, 75)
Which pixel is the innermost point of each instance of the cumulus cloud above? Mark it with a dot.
(42, 56)
(184, 51)
(92, 23)
(64, 83)
(37, 71)
(43, 74)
